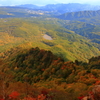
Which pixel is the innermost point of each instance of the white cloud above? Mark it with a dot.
(79, 1)
(17, 2)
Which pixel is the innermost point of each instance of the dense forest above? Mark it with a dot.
(37, 73)
(68, 40)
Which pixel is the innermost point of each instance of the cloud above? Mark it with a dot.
(43, 2)
(78, 1)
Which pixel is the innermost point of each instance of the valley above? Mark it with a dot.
(61, 41)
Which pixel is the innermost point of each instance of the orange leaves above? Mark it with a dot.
(97, 82)
(63, 67)
(41, 97)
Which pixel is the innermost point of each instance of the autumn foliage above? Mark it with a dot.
(36, 74)
(14, 95)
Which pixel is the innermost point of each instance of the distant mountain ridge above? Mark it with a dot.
(29, 6)
(63, 11)
(63, 8)
(80, 14)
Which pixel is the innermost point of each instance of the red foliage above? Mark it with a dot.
(43, 69)
(91, 94)
(55, 60)
(80, 98)
(41, 97)
(62, 68)
(14, 95)
(44, 95)
(42, 51)
(97, 82)
(44, 92)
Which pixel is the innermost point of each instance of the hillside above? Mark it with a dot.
(18, 12)
(31, 32)
(88, 30)
(80, 14)
(45, 63)
(40, 70)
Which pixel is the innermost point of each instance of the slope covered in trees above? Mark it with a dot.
(80, 15)
(40, 70)
(89, 30)
(31, 31)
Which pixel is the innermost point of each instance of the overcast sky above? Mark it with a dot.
(44, 2)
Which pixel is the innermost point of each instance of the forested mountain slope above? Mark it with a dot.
(40, 70)
(89, 30)
(79, 15)
(35, 32)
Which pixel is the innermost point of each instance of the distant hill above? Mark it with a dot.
(80, 15)
(8, 12)
(69, 11)
(31, 6)
(63, 8)
(84, 23)
(89, 30)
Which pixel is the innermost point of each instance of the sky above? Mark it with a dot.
(45, 2)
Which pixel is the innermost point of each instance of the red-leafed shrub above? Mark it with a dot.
(41, 97)
(80, 98)
(14, 95)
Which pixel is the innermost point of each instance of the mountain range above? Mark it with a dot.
(62, 8)
(80, 14)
